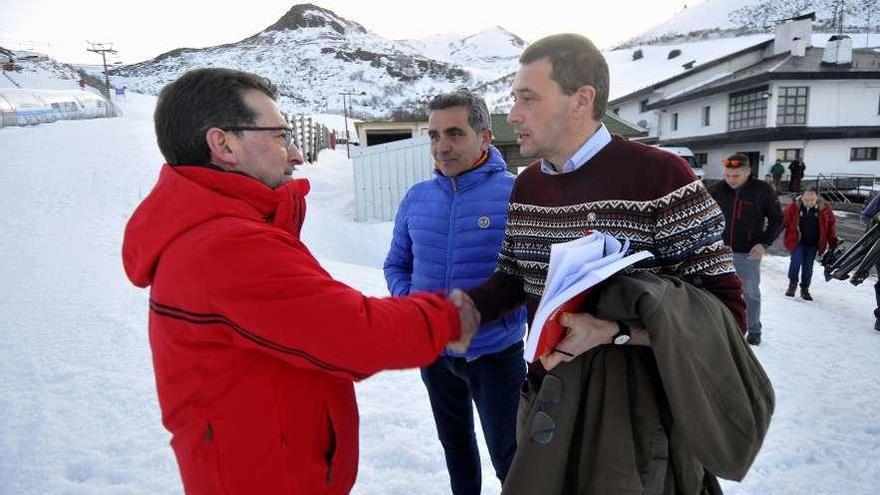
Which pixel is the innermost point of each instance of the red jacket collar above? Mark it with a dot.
(188, 195)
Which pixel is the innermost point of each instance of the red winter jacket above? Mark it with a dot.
(827, 226)
(255, 347)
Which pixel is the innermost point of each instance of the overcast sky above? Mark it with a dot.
(143, 29)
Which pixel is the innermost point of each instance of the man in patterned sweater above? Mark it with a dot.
(588, 180)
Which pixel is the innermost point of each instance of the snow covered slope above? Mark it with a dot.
(77, 394)
(38, 71)
(724, 18)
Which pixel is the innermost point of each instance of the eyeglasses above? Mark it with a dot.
(543, 425)
(288, 132)
(733, 163)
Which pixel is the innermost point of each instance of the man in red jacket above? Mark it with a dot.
(255, 346)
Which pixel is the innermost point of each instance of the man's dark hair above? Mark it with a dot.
(576, 62)
(478, 112)
(197, 101)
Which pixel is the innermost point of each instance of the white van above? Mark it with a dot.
(688, 155)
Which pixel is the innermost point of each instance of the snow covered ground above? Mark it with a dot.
(78, 408)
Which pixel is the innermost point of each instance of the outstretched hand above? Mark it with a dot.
(469, 318)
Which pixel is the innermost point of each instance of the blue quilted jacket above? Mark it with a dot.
(447, 235)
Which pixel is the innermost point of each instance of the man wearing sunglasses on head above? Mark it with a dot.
(753, 220)
(255, 347)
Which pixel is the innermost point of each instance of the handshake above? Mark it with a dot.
(469, 318)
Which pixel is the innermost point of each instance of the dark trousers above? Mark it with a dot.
(802, 259)
(492, 382)
(877, 291)
(777, 180)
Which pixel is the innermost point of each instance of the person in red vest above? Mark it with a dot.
(255, 346)
(810, 229)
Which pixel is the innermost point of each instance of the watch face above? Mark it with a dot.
(621, 339)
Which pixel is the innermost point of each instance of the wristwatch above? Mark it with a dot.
(623, 335)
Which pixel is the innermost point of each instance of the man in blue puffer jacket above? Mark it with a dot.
(447, 234)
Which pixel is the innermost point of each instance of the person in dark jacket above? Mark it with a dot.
(810, 229)
(797, 169)
(255, 346)
(753, 221)
(447, 234)
(776, 171)
(871, 215)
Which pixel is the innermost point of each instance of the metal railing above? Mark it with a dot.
(844, 188)
(11, 79)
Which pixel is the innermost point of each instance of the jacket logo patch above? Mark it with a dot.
(484, 222)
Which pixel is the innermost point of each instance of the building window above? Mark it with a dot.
(643, 106)
(862, 154)
(706, 116)
(748, 109)
(792, 108)
(701, 158)
(675, 121)
(789, 154)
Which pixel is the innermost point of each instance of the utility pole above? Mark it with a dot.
(345, 113)
(103, 49)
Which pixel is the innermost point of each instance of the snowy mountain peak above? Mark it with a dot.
(498, 37)
(306, 15)
(488, 54)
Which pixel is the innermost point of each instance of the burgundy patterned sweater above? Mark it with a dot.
(628, 190)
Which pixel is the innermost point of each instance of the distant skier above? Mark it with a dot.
(82, 84)
(871, 215)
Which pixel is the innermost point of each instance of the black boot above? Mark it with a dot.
(805, 294)
(753, 338)
(791, 287)
(877, 324)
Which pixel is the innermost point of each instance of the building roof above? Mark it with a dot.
(504, 131)
(865, 65)
(708, 65)
(370, 123)
(766, 134)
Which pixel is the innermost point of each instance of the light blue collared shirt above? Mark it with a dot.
(588, 150)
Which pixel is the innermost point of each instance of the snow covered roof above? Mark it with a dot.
(679, 73)
(865, 65)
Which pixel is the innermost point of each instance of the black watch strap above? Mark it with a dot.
(623, 334)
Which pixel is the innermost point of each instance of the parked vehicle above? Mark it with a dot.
(688, 155)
